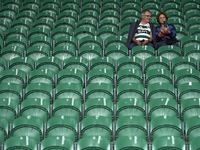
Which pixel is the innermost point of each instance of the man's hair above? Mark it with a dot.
(144, 11)
(161, 13)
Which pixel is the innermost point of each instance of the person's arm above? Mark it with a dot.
(136, 41)
(158, 34)
(172, 31)
(148, 41)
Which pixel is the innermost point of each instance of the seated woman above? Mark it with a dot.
(165, 35)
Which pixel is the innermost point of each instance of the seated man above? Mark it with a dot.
(142, 32)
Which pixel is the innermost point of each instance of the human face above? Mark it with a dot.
(146, 17)
(162, 18)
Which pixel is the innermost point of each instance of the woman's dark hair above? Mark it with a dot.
(161, 13)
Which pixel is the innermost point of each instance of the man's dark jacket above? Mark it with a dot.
(133, 29)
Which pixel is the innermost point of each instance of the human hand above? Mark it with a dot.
(145, 42)
(162, 29)
(138, 42)
(166, 29)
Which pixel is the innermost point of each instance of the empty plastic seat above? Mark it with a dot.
(11, 52)
(189, 108)
(168, 142)
(21, 142)
(38, 31)
(91, 41)
(16, 3)
(188, 90)
(130, 90)
(170, 2)
(99, 107)
(179, 63)
(109, 23)
(157, 76)
(131, 8)
(70, 7)
(76, 63)
(29, 8)
(143, 51)
(39, 90)
(41, 41)
(69, 90)
(29, 126)
(37, 52)
(3, 64)
(131, 126)
(70, 107)
(102, 63)
(177, 22)
(129, 76)
(63, 52)
(4, 125)
(65, 23)
(81, 32)
(87, 23)
(51, 63)
(129, 62)
(21, 23)
(194, 144)
(180, 33)
(128, 142)
(124, 31)
(11, 91)
(125, 23)
(67, 41)
(4, 24)
(62, 126)
(107, 32)
(90, 52)
(9, 111)
(91, 8)
(189, 40)
(192, 15)
(172, 8)
(108, 2)
(57, 142)
(130, 107)
(61, 31)
(100, 76)
(116, 51)
(26, 15)
(165, 126)
(89, 16)
(160, 90)
(97, 126)
(194, 31)
(188, 2)
(152, 8)
(10, 9)
(74, 2)
(14, 76)
(110, 8)
(186, 75)
(175, 14)
(193, 23)
(47, 23)
(47, 14)
(93, 142)
(129, 2)
(156, 62)
(8, 16)
(162, 107)
(131, 15)
(36, 107)
(110, 15)
(169, 51)
(90, 2)
(16, 31)
(115, 41)
(99, 90)
(19, 41)
(190, 8)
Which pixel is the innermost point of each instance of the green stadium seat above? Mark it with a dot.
(23, 63)
(189, 108)
(109, 23)
(192, 51)
(162, 107)
(125, 23)
(68, 107)
(70, 7)
(38, 31)
(102, 63)
(100, 76)
(72, 75)
(193, 23)
(3, 64)
(4, 125)
(52, 2)
(4, 24)
(131, 15)
(76, 63)
(131, 8)
(21, 142)
(181, 32)
(186, 75)
(36, 52)
(97, 126)
(74, 2)
(168, 142)
(13, 32)
(190, 8)
(115, 41)
(143, 51)
(91, 41)
(170, 2)
(65, 23)
(99, 107)
(47, 15)
(43, 23)
(177, 22)
(157, 76)
(192, 15)
(69, 90)
(14, 76)
(28, 126)
(115, 51)
(188, 90)
(110, 8)
(7, 16)
(175, 14)
(124, 32)
(130, 90)
(110, 15)
(109, 2)
(9, 111)
(129, 2)
(162, 126)
(89, 16)
(131, 126)
(49, 9)
(129, 62)
(99, 90)
(67, 41)
(90, 2)
(82, 32)
(194, 31)
(172, 8)
(21, 23)
(42, 76)
(30, 16)
(156, 62)
(57, 142)
(90, 52)
(63, 52)
(169, 51)
(16, 41)
(189, 41)
(91, 8)
(41, 41)
(61, 31)
(194, 144)
(152, 8)
(62, 126)
(93, 142)
(39, 90)
(51, 63)
(11, 52)
(192, 128)
(160, 90)
(87, 23)
(32, 2)
(130, 107)
(30, 8)
(129, 76)
(185, 62)
(16, 3)
(188, 2)
(9, 9)
(107, 32)
(36, 107)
